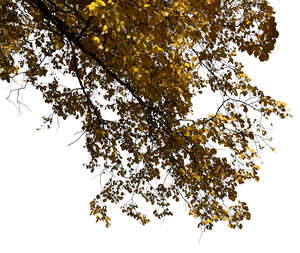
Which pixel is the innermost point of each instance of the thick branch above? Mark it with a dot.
(72, 37)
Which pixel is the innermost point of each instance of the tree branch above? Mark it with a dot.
(99, 119)
(72, 37)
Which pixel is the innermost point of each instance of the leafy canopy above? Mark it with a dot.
(143, 61)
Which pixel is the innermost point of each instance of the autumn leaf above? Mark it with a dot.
(135, 69)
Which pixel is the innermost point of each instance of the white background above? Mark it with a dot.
(45, 191)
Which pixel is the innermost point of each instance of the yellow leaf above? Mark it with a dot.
(157, 48)
(96, 40)
(135, 69)
(193, 213)
(242, 75)
(251, 150)
(104, 29)
(256, 166)
(221, 117)
(242, 156)
(197, 177)
(92, 6)
(281, 103)
(182, 171)
(100, 2)
(160, 49)
(201, 138)
(215, 217)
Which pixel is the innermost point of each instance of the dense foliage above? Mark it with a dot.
(143, 61)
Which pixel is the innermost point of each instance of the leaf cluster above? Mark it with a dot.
(144, 61)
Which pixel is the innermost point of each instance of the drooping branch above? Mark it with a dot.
(99, 119)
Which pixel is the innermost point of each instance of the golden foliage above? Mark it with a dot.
(145, 60)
